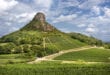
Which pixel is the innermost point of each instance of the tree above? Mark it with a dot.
(7, 48)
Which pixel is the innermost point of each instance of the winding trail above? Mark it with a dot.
(52, 56)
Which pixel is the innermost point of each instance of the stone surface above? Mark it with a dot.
(40, 16)
(44, 26)
(39, 23)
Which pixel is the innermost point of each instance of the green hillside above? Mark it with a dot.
(25, 41)
(37, 38)
(89, 55)
(86, 39)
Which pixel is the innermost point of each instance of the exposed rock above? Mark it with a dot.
(40, 17)
(44, 26)
(39, 23)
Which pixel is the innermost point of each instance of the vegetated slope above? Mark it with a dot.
(55, 68)
(37, 38)
(86, 39)
(89, 55)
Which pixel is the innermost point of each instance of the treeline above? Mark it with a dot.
(107, 45)
(24, 37)
(86, 39)
(26, 49)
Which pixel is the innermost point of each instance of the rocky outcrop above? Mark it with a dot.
(39, 23)
(44, 25)
(40, 17)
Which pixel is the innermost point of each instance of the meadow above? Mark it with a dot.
(89, 55)
(55, 68)
(13, 58)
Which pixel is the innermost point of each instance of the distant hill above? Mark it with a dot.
(39, 38)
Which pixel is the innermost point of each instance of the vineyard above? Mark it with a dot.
(89, 55)
(55, 68)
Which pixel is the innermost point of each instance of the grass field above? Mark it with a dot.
(64, 42)
(12, 58)
(55, 68)
(90, 55)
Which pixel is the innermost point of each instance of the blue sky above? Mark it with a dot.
(91, 17)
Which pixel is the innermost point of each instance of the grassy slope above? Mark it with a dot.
(98, 55)
(86, 39)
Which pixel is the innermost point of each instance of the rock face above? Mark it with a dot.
(39, 23)
(44, 25)
(40, 17)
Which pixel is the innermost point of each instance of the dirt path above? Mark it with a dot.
(52, 56)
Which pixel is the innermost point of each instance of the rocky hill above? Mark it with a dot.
(37, 38)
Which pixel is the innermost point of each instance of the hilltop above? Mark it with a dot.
(39, 23)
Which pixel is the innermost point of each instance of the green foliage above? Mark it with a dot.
(51, 49)
(32, 25)
(22, 37)
(86, 39)
(7, 48)
(37, 51)
(107, 45)
(14, 58)
(31, 42)
(98, 55)
(18, 49)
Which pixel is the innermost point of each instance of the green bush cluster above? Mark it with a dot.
(7, 48)
(107, 45)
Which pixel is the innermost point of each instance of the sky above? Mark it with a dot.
(90, 17)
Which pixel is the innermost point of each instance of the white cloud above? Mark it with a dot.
(81, 25)
(107, 12)
(8, 23)
(6, 4)
(65, 30)
(45, 4)
(96, 10)
(90, 30)
(88, 4)
(13, 29)
(91, 26)
(67, 3)
(66, 18)
(24, 17)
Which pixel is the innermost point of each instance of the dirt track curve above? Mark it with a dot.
(52, 56)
